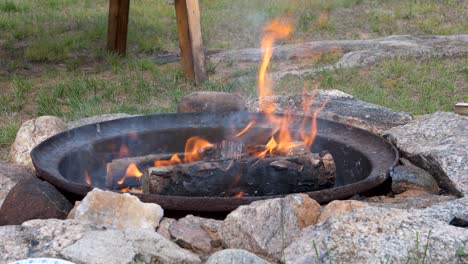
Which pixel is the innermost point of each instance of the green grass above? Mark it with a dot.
(411, 85)
(53, 59)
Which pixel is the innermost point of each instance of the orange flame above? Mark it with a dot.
(238, 195)
(276, 29)
(174, 160)
(310, 138)
(87, 178)
(132, 171)
(249, 125)
(194, 148)
(269, 148)
(125, 190)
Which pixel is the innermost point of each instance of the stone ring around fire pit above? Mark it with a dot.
(75, 160)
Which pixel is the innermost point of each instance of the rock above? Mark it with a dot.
(390, 46)
(412, 178)
(109, 246)
(120, 211)
(83, 242)
(95, 119)
(211, 102)
(342, 108)
(338, 207)
(409, 199)
(197, 234)
(357, 59)
(10, 175)
(383, 235)
(437, 143)
(460, 222)
(153, 248)
(33, 199)
(39, 238)
(129, 246)
(163, 228)
(235, 256)
(266, 227)
(30, 134)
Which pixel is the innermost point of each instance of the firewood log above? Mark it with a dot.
(251, 175)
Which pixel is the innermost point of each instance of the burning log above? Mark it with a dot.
(251, 175)
(117, 168)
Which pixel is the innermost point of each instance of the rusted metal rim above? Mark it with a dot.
(47, 156)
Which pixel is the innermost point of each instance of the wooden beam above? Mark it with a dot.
(190, 40)
(461, 108)
(118, 26)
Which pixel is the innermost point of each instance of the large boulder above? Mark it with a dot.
(30, 134)
(126, 247)
(437, 143)
(338, 207)
(267, 227)
(343, 108)
(33, 199)
(114, 210)
(383, 235)
(211, 102)
(39, 238)
(83, 242)
(10, 175)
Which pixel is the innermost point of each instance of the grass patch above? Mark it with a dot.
(53, 59)
(418, 87)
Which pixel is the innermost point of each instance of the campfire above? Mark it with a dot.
(235, 166)
(218, 161)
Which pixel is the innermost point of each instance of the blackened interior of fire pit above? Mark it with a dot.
(351, 165)
(362, 159)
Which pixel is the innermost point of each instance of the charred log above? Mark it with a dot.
(272, 175)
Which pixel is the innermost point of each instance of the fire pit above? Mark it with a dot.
(77, 160)
(217, 161)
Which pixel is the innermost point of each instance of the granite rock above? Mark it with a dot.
(129, 246)
(200, 235)
(338, 207)
(412, 178)
(120, 211)
(33, 199)
(235, 256)
(342, 108)
(30, 134)
(84, 242)
(266, 227)
(437, 143)
(211, 102)
(376, 235)
(163, 228)
(10, 175)
(39, 238)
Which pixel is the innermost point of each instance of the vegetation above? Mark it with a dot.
(53, 61)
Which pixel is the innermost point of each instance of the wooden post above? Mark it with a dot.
(190, 40)
(118, 25)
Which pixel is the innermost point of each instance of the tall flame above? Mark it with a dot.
(276, 29)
